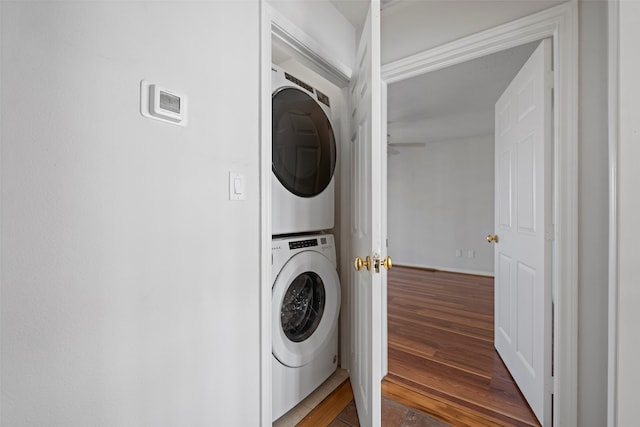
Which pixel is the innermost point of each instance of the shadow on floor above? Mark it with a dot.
(393, 415)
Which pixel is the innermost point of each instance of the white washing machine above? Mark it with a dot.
(304, 156)
(305, 306)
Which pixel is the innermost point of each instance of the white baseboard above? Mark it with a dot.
(449, 269)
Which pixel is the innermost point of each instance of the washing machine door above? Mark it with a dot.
(303, 143)
(305, 305)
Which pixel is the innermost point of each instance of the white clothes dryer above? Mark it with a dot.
(303, 157)
(305, 307)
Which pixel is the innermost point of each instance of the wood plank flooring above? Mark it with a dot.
(329, 409)
(441, 355)
(339, 410)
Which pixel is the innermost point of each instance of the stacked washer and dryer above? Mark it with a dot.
(306, 288)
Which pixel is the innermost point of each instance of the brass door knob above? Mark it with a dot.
(493, 238)
(358, 263)
(386, 263)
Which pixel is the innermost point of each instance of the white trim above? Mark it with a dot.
(2, 283)
(383, 222)
(265, 216)
(446, 269)
(345, 227)
(560, 23)
(521, 31)
(308, 50)
(613, 89)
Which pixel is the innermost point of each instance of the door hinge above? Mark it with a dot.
(551, 385)
(548, 79)
(550, 233)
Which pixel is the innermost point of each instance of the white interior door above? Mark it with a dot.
(365, 227)
(523, 301)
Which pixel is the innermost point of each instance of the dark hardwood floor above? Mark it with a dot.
(339, 410)
(441, 355)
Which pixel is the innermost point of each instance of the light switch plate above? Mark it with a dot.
(237, 188)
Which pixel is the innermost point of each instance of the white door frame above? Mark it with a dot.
(561, 24)
(613, 120)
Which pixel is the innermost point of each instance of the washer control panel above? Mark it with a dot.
(284, 248)
(305, 243)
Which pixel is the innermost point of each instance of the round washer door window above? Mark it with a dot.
(303, 143)
(305, 304)
(302, 306)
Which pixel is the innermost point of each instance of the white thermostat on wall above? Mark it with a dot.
(160, 103)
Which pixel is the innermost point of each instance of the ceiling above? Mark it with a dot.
(452, 103)
(354, 10)
(412, 26)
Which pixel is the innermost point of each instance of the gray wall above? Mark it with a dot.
(440, 200)
(593, 216)
(130, 282)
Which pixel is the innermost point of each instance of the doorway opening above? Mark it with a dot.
(559, 24)
(440, 175)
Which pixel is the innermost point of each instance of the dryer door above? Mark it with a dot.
(305, 305)
(303, 143)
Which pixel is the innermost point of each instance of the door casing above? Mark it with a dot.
(560, 23)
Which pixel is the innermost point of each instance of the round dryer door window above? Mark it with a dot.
(303, 143)
(305, 305)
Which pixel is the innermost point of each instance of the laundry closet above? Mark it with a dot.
(306, 292)
(321, 100)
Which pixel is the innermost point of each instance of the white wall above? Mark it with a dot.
(129, 281)
(440, 200)
(628, 411)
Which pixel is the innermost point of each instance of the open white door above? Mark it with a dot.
(523, 301)
(365, 227)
